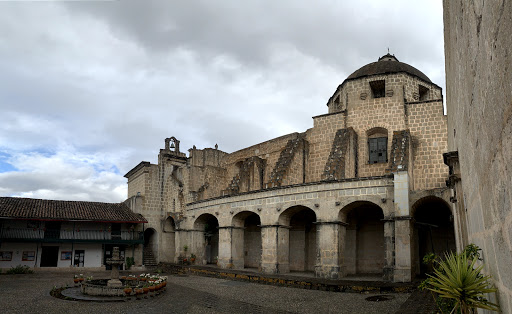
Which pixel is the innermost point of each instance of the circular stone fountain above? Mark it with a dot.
(112, 289)
(104, 287)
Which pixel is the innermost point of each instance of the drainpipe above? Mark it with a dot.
(37, 253)
(143, 244)
(73, 245)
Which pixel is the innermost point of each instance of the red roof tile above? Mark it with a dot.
(29, 208)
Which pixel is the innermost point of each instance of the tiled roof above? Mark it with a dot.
(29, 208)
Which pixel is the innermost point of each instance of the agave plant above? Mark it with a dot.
(457, 278)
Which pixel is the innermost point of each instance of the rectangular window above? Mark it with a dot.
(423, 92)
(378, 150)
(5, 255)
(116, 231)
(378, 88)
(28, 256)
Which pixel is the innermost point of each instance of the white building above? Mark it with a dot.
(49, 233)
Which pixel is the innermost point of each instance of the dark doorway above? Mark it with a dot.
(49, 256)
(79, 258)
(364, 250)
(211, 234)
(302, 240)
(210, 226)
(433, 231)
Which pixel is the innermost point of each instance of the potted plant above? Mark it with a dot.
(143, 277)
(127, 290)
(138, 292)
(192, 258)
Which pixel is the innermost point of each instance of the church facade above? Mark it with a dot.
(364, 191)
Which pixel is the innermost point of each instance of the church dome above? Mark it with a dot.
(387, 64)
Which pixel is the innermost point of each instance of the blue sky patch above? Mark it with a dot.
(4, 165)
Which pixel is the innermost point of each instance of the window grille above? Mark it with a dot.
(378, 150)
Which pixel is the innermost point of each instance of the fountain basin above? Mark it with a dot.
(99, 287)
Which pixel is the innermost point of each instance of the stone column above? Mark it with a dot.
(225, 260)
(342, 236)
(269, 248)
(403, 229)
(389, 244)
(327, 264)
(403, 243)
(275, 249)
(195, 241)
(283, 249)
(237, 247)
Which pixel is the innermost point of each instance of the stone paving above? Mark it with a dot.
(188, 294)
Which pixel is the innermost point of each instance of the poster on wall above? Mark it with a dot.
(65, 255)
(5, 255)
(28, 256)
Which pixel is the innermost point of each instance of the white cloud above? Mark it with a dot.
(98, 85)
(64, 175)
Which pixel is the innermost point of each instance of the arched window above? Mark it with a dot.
(377, 145)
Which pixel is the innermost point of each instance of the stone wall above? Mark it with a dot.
(427, 125)
(479, 104)
(320, 139)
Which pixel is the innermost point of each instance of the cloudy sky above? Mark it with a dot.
(88, 89)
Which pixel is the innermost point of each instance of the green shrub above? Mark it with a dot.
(20, 270)
(459, 284)
(130, 261)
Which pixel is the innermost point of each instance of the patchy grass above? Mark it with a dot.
(20, 270)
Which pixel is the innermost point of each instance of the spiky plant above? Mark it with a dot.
(457, 278)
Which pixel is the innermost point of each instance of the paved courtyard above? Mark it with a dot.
(187, 294)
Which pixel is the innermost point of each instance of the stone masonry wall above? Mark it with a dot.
(478, 69)
(269, 150)
(366, 114)
(320, 139)
(136, 183)
(427, 125)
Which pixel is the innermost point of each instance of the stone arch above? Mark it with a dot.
(364, 249)
(246, 240)
(351, 202)
(377, 130)
(297, 239)
(208, 249)
(434, 230)
(150, 246)
(168, 244)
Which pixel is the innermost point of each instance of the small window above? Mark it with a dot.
(378, 150)
(115, 231)
(423, 92)
(337, 101)
(378, 88)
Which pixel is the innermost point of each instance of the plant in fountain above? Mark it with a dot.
(78, 278)
(457, 278)
(130, 261)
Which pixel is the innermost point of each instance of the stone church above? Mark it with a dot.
(362, 192)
